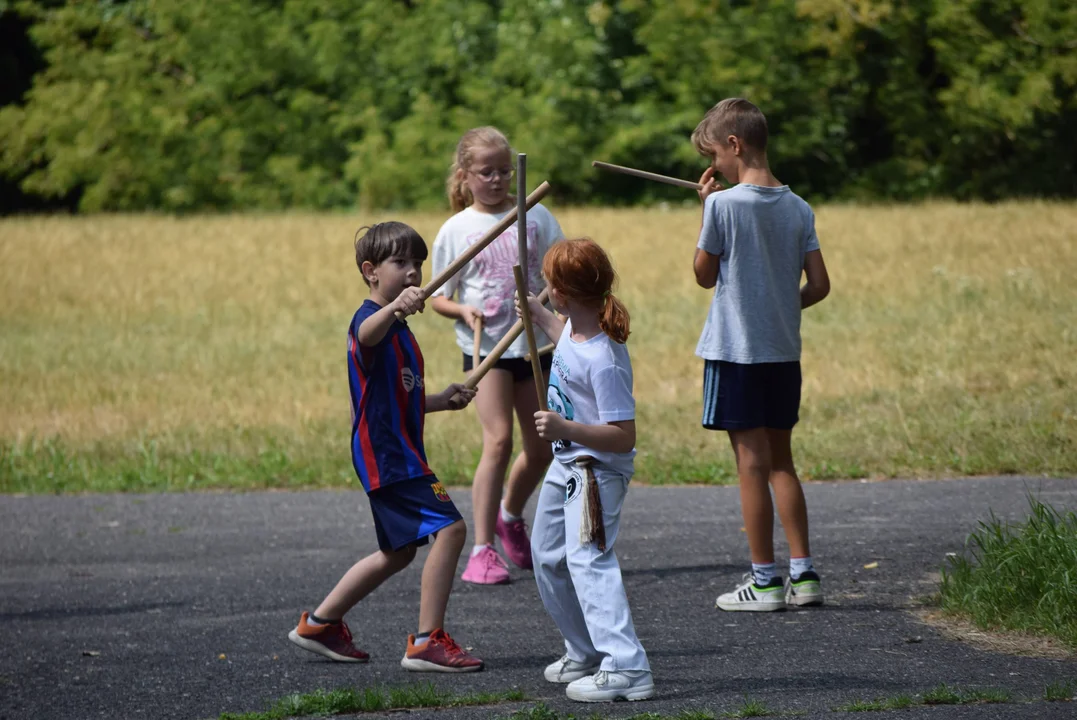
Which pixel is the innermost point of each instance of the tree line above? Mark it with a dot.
(184, 105)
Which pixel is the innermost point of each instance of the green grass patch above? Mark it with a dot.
(941, 695)
(1059, 691)
(750, 709)
(1018, 576)
(323, 703)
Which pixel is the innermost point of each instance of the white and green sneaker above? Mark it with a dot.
(805, 591)
(750, 597)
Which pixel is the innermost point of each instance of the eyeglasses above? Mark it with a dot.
(488, 175)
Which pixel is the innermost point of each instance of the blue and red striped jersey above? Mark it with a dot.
(388, 404)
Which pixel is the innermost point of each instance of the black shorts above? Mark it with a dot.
(409, 512)
(743, 397)
(520, 368)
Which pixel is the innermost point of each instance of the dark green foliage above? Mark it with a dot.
(217, 104)
(1019, 576)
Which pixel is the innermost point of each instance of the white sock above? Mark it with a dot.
(507, 517)
(421, 640)
(478, 549)
(799, 566)
(763, 573)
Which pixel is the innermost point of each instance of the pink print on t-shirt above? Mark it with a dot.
(494, 267)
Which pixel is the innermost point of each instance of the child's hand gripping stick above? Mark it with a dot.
(492, 234)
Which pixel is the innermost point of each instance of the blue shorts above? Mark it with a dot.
(743, 397)
(409, 512)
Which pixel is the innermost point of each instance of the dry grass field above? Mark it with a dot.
(160, 353)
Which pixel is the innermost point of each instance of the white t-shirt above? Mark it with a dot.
(487, 282)
(591, 383)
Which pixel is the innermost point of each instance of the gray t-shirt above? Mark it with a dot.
(591, 383)
(762, 235)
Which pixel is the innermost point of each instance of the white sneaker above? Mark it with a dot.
(566, 670)
(752, 598)
(608, 685)
(806, 590)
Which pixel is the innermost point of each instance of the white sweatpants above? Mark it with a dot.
(580, 586)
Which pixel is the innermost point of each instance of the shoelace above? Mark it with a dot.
(445, 640)
(346, 633)
(492, 559)
(602, 677)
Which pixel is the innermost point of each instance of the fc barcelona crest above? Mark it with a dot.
(439, 492)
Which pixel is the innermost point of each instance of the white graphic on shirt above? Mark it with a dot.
(494, 267)
(410, 379)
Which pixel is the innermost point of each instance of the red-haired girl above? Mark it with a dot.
(591, 423)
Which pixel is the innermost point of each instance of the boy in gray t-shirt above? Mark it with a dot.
(757, 239)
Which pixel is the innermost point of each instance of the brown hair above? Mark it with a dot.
(732, 116)
(386, 240)
(581, 271)
(487, 136)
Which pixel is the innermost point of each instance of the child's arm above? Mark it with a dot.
(546, 319)
(709, 249)
(817, 286)
(705, 266)
(449, 308)
(455, 397)
(373, 329)
(614, 437)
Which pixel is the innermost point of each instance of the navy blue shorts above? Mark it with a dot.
(409, 512)
(520, 368)
(743, 397)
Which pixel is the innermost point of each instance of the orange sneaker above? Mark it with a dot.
(440, 653)
(333, 640)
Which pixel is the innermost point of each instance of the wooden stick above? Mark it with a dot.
(647, 175)
(521, 216)
(478, 342)
(478, 246)
(499, 349)
(544, 350)
(532, 345)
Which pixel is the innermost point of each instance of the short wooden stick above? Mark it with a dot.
(521, 215)
(490, 360)
(532, 345)
(479, 245)
(478, 342)
(647, 175)
(544, 350)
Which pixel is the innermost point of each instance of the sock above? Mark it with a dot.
(507, 517)
(478, 549)
(799, 566)
(762, 573)
(313, 619)
(420, 639)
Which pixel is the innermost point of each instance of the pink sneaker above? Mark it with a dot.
(486, 568)
(515, 541)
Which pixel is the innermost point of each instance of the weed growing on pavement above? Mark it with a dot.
(1018, 576)
(376, 699)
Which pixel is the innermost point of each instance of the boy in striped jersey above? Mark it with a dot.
(409, 505)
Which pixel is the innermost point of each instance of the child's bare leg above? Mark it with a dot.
(530, 465)
(788, 493)
(752, 451)
(494, 404)
(438, 573)
(361, 580)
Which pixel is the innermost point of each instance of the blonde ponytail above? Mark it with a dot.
(457, 190)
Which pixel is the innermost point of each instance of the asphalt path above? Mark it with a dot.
(178, 606)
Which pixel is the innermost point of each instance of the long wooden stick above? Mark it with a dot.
(478, 341)
(647, 175)
(499, 349)
(478, 246)
(532, 344)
